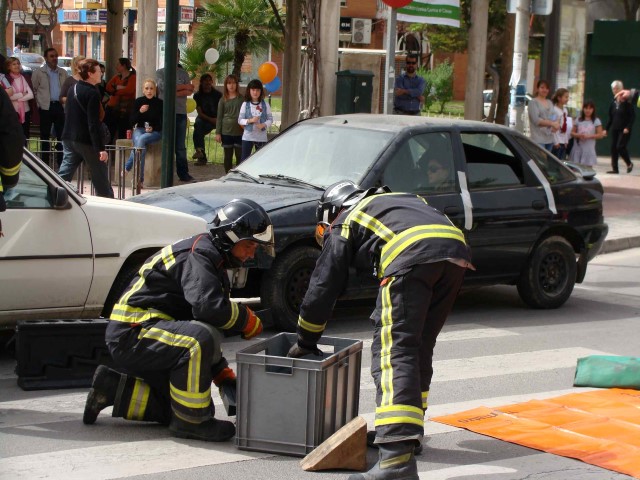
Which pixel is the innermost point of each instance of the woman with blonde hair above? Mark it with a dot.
(73, 79)
(21, 93)
(146, 121)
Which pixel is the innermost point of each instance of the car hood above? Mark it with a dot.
(204, 198)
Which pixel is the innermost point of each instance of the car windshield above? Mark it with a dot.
(318, 154)
(31, 58)
(64, 62)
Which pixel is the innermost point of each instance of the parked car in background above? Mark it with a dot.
(65, 255)
(29, 61)
(65, 62)
(487, 97)
(531, 221)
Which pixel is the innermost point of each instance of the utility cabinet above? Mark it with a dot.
(354, 91)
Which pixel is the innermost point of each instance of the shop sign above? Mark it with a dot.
(66, 16)
(187, 15)
(96, 16)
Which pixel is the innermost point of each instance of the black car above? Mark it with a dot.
(531, 220)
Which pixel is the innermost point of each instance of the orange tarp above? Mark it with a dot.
(599, 427)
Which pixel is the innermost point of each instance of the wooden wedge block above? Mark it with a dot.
(346, 449)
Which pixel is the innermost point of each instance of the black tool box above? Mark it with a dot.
(59, 353)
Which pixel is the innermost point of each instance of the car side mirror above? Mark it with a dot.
(60, 198)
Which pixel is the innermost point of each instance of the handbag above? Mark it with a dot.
(105, 134)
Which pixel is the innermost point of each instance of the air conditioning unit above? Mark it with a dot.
(361, 30)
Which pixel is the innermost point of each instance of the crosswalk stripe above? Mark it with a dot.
(119, 460)
(467, 471)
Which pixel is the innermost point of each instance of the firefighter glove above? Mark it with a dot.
(225, 377)
(253, 326)
(297, 350)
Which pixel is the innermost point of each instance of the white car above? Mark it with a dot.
(65, 255)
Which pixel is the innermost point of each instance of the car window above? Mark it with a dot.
(490, 161)
(30, 192)
(423, 164)
(552, 168)
(319, 154)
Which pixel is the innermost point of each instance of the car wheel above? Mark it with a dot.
(121, 282)
(284, 285)
(550, 274)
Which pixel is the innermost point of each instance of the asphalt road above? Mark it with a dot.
(493, 351)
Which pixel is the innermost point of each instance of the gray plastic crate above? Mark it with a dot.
(291, 405)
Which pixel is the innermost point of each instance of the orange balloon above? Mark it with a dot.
(267, 72)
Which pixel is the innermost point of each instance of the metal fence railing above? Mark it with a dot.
(118, 155)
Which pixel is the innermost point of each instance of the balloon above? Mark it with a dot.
(267, 72)
(397, 3)
(191, 105)
(211, 56)
(274, 65)
(273, 85)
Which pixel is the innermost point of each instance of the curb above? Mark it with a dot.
(619, 244)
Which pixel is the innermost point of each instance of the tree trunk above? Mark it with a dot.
(504, 94)
(239, 53)
(3, 26)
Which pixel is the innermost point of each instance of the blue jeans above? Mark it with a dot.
(77, 152)
(182, 167)
(559, 151)
(546, 146)
(141, 139)
(247, 148)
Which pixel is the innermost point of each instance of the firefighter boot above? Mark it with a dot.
(212, 430)
(102, 393)
(396, 462)
(371, 438)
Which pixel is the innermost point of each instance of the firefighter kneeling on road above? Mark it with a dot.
(420, 259)
(164, 336)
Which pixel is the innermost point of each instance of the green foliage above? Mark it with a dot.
(438, 85)
(245, 26)
(193, 61)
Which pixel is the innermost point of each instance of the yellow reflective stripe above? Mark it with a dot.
(414, 234)
(140, 282)
(347, 222)
(128, 314)
(396, 420)
(425, 399)
(376, 226)
(10, 171)
(235, 311)
(393, 461)
(195, 353)
(139, 400)
(167, 257)
(386, 376)
(311, 327)
(399, 408)
(190, 399)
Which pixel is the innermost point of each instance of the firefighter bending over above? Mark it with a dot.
(419, 258)
(163, 333)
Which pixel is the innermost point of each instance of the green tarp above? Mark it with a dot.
(604, 371)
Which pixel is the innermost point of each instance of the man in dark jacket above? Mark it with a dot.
(163, 333)
(621, 118)
(420, 259)
(11, 142)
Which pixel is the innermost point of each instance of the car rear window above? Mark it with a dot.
(490, 162)
(552, 168)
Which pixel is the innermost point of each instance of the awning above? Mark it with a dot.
(82, 28)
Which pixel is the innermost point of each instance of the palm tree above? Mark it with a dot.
(246, 26)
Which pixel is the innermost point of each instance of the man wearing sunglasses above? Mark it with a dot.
(409, 89)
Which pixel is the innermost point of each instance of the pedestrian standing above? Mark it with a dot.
(184, 88)
(409, 89)
(561, 136)
(586, 130)
(255, 117)
(122, 92)
(81, 135)
(419, 258)
(228, 131)
(207, 99)
(22, 93)
(621, 118)
(543, 122)
(47, 84)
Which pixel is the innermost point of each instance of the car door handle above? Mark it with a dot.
(538, 204)
(452, 210)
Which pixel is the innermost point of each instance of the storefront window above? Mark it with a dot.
(68, 44)
(96, 45)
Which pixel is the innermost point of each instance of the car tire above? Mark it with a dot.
(121, 282)
(550, 274)
(284, 285)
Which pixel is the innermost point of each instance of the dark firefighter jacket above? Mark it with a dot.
(184, 281)
(387, 233)
(11, 143)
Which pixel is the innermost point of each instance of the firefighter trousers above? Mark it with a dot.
(410, 312)
(167, 369)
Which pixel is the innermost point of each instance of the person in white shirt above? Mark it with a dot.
(255, 117)
(563, 134)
